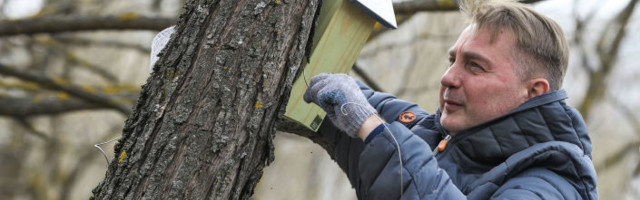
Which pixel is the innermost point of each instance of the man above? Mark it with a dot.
(502, 130)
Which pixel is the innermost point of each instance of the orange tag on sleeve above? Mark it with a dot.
(407, 117)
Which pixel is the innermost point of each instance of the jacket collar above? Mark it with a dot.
(542, 130)
(545, 98)
(541, 119)
(541, 100)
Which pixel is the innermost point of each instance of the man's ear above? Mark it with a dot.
(537, 87)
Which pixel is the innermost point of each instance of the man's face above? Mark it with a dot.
(480, 83)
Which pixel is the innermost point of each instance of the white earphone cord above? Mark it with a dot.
(392, 136)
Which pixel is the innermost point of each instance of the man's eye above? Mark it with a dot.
(476, 67)
(451, 61)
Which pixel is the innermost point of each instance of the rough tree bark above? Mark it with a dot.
(204, 123)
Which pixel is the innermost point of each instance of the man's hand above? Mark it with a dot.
(341, 98)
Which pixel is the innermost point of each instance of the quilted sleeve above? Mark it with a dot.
(418, 176)
(348, 152)
(390, 107)
(537, 183)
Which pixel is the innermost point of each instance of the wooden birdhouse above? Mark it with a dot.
(342, 30)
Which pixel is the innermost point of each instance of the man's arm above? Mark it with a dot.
(389, 107)
(398, 163)
(536, 183)
(377, 170)
(345, 149)
(374, 168)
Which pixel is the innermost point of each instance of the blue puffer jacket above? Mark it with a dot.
(541, 150)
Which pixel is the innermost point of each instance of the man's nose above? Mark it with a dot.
(451, 77)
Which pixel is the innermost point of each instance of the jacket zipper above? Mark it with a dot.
(442, 145)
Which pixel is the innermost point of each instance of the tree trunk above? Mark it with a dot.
(205, 120)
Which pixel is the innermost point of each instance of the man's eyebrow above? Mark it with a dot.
(476, 56)
(470, 55)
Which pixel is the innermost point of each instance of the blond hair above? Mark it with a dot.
(543, 51)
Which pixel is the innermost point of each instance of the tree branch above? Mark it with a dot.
(56, 45)
(617, 157)
(22, 107)
(85, 64)
(607, 54)
(102, 43)
(57, 24)
(31, 129)
(406, 77)
(409, 7)
(608, 58)
(629, 114)
(292, 127)
(366, 78)
(86, 94)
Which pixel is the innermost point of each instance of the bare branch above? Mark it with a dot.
(115, 44)
(155, 5)
(24, 86)
(578, 39)
(57, 24)
(86, 94)
(617, 157)
(292, 127)
(409, 7)
(73, 58)
(629, 114)
(30, 129)
(408, 71)
(622, 20)
(23, 107)
(366, 78)
(55, 45)
(607, 55)
(413, 40)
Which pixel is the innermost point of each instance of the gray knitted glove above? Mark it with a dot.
(342, 99)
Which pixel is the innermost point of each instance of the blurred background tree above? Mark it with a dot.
(71, 69)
